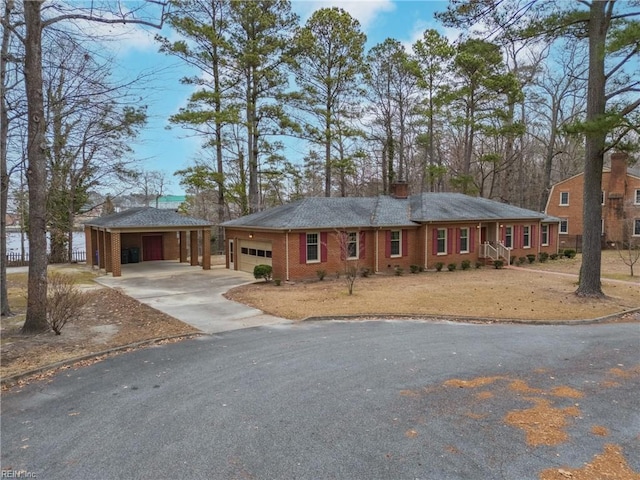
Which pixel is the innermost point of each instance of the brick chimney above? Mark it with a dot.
(618, 175)
(400, 189)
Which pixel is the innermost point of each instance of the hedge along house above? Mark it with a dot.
(146, 234)
(384, 233)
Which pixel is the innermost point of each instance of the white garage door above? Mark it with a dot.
(253, 253)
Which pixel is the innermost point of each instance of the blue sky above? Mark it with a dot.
(169, 150)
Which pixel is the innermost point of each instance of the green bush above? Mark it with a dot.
(466, 264)
(277, 282)
(398, 271)
(365, 272)
(513, 260)
(521, 260)
(531, 257)
(439, 266)
(543, 257)
(553, 256)
(478, 265)
(498, 264)
(451, 267)
(569, 253)
(414, 268)
(262, 271)
(321, 274)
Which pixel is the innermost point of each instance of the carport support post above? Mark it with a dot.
(108, 260)
(88, 239)
(115, 254)
(101, 255)
(193, 237)
(183, 246)
(206, 249)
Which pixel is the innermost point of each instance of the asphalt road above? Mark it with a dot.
(362, 400)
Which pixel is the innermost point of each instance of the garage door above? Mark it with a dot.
(253, 253)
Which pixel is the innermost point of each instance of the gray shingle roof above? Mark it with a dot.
(446, 207)
(383, 211)
(147, 217)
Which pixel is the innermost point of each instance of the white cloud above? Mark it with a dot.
(365, 11)
(419, 27)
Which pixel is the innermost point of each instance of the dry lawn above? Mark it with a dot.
(528, 293)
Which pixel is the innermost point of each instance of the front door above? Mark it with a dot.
(231, 256)
(152, 248)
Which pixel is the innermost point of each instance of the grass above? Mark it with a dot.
(529, 293)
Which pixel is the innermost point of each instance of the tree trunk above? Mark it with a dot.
(36, 320)
(590, 285)
(5, 310)
(327, 151)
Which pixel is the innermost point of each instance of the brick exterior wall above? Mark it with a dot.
(416, 248)
(170, 246)
(619, 189)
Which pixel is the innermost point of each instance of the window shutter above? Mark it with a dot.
(323, 247)
(434, 244)
(405, 243)
(387, 244)
(456, 239)
(303, 248)
(362, 245)
(450, 239)
(472, 239)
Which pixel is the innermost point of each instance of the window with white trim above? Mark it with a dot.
(396, 243)
(464, 240)
(313, 247)
(544, 234)
(352, 245)
(564, 198)
(636, 227)
(602, 197)
(564, 226)
(637, 197)
(508, 236)
(442, 241)
(526, 236)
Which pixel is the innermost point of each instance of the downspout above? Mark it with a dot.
(426, 249)
(286, 255)
(377, 266)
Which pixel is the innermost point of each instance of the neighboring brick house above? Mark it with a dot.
(620, 203)
(382, 233)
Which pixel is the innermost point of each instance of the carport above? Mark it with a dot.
(146, 234)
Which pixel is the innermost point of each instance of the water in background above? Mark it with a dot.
(13, 242)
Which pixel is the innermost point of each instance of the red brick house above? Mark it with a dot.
(620, 204)
(383, 233)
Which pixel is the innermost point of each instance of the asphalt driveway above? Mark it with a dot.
(354, 400)
(190, 294)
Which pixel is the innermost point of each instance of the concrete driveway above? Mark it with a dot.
(190, 294)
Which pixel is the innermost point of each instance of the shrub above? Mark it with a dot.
(365, 272)
(553, 256)
(322, 273)
(64, 301)
(262, 271)
(439, 266)
(478, 265)
(521, 260)
(451, 267)
(543, 257)
(512, 260)
(398, 271)
(466, 264)
(414, 268)
(531, 257)
(277, 282)
(498, 264)
(569, 253)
